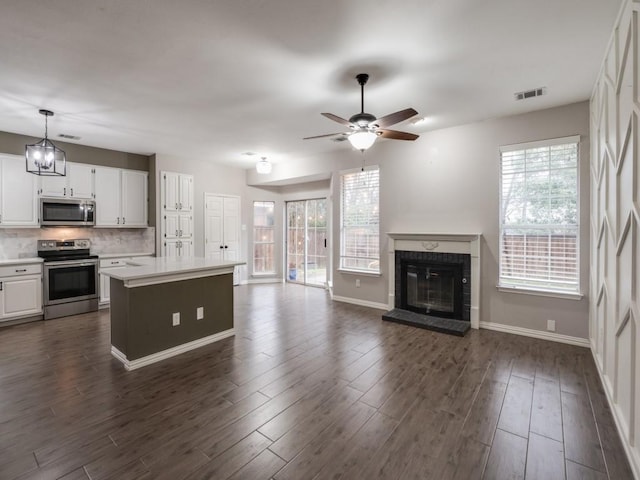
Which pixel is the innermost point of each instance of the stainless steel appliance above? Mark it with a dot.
(67, 212)
(70, 277)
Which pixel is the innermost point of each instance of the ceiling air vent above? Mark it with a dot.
(536, 92)
(68, 137)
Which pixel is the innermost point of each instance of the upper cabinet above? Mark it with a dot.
(121, 197)
(177, 192)
(77, 183)
(18, 193)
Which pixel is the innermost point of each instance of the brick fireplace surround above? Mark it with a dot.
(468, 243)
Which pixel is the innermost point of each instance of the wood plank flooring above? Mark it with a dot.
(307, 389)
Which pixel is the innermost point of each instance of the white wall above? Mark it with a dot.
(208, 178)
(615, 222)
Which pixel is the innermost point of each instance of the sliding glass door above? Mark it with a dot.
(307, 242)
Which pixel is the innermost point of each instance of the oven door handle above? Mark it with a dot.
(67, 263)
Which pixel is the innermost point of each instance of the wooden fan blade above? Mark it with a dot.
(394, 118)
(396, 135)
(327, 135)
(338, 119)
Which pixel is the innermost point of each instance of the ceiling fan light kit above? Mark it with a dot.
(43, 157)
(365, 128)
(362, 140)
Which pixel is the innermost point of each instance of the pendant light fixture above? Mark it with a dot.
(43, 157)
(263, 166)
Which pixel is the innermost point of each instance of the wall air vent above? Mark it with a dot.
(68, 137)
(536, 92)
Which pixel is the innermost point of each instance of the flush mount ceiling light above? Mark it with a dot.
(263, 166)
(43, 157)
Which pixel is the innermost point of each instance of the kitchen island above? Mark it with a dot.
(161, 307)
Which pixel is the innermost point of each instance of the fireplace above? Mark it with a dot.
(434, 281)
(435, 284)
(431, 288)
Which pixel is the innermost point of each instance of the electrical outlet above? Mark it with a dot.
(176, 319)
(199, 313)
(551, 325)
(357, 283)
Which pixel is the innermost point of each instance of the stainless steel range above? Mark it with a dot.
(70, 280)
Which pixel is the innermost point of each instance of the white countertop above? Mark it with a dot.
(20, 261)
(154, 270)
(125, 255)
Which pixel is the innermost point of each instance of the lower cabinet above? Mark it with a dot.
(20, 291)
(111, 264)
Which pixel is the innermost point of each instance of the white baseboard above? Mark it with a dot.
(632, 454)
(264, 280)
(362, 303)
(170, 352)
(528, 332)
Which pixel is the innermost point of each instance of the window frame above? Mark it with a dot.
(514, 286)
(342, 256)
(272, 271)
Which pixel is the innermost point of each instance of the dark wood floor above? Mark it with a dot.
(307, 389)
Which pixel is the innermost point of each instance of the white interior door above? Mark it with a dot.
(213, 227)
(231, 227)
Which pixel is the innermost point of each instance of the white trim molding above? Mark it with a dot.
(170, 352)
(528, 332)
(357, 301)
(466, 243)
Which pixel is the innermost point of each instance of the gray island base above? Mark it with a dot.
(164, 307)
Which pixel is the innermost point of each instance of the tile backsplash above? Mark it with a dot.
(22, 242)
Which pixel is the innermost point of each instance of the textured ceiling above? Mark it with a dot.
(214, 78)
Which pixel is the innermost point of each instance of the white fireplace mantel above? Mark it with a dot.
(468, 243)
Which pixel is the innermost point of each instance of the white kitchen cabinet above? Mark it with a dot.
(134, 198)
(222, 228)
(177, 192)
(108, 198)
(176, 216)
(177, 248)
(18, 193)
(121, 197)
(77, 183)
(111, 264)
(178, 225)
(20, 291)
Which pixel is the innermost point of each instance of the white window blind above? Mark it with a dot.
(263, 237)
(360, 220)
(539, 216)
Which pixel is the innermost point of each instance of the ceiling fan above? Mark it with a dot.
(365, 128)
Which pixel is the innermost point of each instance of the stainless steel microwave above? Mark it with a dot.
(67, 212)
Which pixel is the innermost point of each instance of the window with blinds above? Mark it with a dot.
(539, 216)
(263, 237)
(360, 220)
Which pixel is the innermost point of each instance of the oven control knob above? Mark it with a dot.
(50, 245)
(81, 243)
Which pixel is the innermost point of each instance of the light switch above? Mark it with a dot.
(176, 319)
(199, 313)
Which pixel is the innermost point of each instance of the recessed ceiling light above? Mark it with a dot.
(418, 120)
(249, 154)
